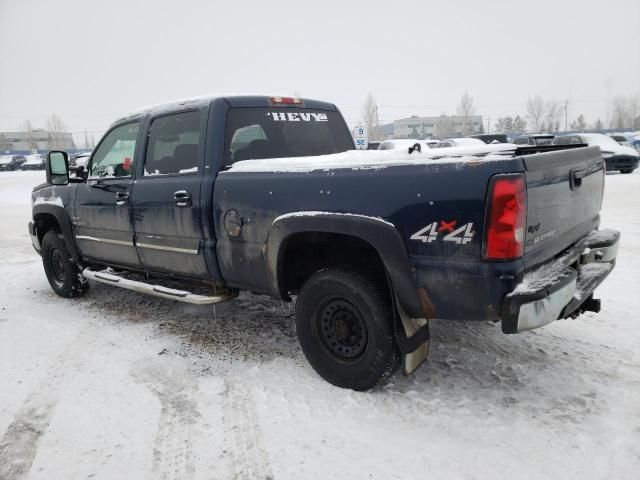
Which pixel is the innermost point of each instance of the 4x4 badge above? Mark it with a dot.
(461, 235)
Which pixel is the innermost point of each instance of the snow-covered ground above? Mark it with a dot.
(120, 385)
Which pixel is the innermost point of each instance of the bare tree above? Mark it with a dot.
(519, 124)
(465, 110)
(598, 125)
(619, 113)
(535, 110)
(370, 117)
(56, 128)
(504, 125)
(510, 124)
(27, 127)
(579, 123)
(634, 110)
(554, 111)
(4, 144)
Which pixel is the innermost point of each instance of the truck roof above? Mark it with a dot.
(234, 100)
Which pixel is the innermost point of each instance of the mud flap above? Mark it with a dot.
(413, 339)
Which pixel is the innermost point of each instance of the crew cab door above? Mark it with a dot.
(166, 200)
(102, 217)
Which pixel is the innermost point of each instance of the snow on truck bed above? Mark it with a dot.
(374, 159)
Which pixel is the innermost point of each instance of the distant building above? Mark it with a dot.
(385, 131)
(35, 140)
(427, 127)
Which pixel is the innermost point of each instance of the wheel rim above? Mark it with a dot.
(57, 265)
(342, 329)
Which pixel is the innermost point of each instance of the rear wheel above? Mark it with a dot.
(344, 323)
(64, 275)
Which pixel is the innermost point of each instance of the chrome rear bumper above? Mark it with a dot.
(563, 287)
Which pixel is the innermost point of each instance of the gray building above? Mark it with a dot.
(442, 126)
(35, 140)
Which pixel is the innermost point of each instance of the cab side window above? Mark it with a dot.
(114, 157)
(173, 145)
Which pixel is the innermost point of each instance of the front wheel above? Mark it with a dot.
(64, 275)
(626, 170)
(344, 323)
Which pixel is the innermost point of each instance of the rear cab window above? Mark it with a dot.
(254, 133)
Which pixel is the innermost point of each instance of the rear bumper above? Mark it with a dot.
(563, 287)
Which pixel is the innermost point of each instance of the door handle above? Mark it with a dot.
(182, 198)
(122, 198)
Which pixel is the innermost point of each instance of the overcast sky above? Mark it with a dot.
(91, 61)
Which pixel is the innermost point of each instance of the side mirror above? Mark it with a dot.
(57, 168)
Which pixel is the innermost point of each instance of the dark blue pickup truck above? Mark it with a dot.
(198, 199)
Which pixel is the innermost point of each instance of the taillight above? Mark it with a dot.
(286, 100)
(506, 217)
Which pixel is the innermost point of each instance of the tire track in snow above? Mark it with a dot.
(19, 443)
(242, 434)
(175, 389)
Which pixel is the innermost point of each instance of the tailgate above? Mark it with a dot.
(564, 196)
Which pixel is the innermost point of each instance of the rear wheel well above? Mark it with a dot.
(305, 253)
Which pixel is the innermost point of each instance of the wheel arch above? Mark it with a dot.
(48, 217)
(358, 231)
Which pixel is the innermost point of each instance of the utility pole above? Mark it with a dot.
(488, 124)
(566, 108)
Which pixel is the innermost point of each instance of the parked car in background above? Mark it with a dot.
(431, 142)
(491, 137)
(616, 156)
(11, 162)
(459, 142)
(34, 162)
(373, 145)
(402, 144)
(621, 138)
(81, 160)
(534, 139)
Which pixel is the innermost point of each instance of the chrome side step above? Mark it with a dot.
(157, 290)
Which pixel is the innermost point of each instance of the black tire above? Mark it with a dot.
(344, 322)
(626, 170)
(63, 273)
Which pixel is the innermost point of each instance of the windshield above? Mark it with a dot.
(256, 133)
